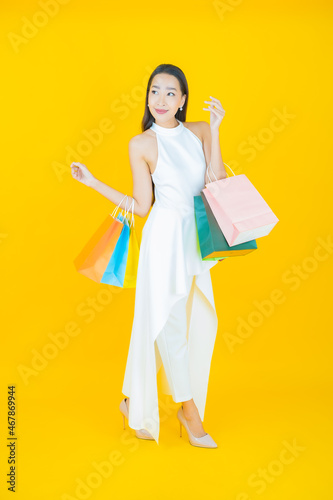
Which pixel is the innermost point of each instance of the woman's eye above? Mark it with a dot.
(168, 93)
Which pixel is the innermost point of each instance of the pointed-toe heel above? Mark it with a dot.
(203, 442)
(142, 433)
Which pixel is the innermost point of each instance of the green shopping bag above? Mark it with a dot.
(213, 244)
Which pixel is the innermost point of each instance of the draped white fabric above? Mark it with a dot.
(169, 258)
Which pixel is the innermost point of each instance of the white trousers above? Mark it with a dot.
(173, 347)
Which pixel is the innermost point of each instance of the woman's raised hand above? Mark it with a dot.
(216, 112)
(82, 174)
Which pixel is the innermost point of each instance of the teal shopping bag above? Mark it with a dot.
(213, 244)
(114, 273)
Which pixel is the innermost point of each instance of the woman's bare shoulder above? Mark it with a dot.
(145, 146)
(202, 125)
(198, 128)
(142, 140)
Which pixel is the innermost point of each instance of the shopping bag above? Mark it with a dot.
(95, 256)
(132, 257)
(114, 273)
(122, 268)
(239, 209)
(213, 244)
(202, 230)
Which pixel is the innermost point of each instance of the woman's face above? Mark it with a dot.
(165, 94)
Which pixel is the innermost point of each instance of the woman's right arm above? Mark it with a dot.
(142, 183)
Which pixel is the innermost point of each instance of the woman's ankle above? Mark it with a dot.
(190, 410)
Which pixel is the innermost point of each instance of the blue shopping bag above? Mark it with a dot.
(114, 273)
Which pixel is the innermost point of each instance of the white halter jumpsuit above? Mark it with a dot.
(174, 301)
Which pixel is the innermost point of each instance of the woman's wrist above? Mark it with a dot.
(93, 183)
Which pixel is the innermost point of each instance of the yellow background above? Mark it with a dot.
(272, 390)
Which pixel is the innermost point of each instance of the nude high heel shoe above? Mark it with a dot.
(203, 442)
(142, 433)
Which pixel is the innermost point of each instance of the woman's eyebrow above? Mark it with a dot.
(170, 88)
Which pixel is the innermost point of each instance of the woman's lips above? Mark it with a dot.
(161, 111)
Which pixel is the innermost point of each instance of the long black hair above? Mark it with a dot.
(170, 69)
(148, 118)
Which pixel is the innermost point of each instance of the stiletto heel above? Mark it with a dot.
(203, 442)
(142, 433)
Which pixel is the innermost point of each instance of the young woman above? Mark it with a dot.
(175, 321)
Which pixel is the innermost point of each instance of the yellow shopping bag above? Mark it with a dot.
(133, 256)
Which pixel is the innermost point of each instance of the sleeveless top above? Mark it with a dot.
(180, 169)
(178, 177)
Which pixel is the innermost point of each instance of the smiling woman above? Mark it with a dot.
(175, 322)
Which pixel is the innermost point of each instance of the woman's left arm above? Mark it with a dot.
(212, 140)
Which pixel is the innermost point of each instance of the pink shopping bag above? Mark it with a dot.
(240, 210)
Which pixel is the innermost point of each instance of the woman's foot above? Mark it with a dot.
(141, 433)
(193, 419)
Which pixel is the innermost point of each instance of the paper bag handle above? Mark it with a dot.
(125, 210)
(132, 217)
(116, 208)
(210, 165)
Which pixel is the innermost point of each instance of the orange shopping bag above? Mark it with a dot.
(95, 256)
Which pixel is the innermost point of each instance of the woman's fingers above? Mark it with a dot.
(76, 170)
(214, 99)
(81, 173)
(75, 166)
(77, 163)
(216, 103)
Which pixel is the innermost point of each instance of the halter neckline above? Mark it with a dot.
(168, 131)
